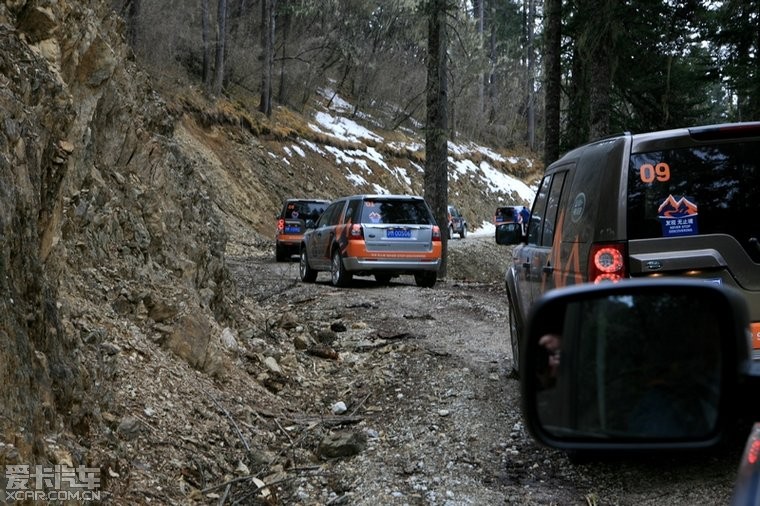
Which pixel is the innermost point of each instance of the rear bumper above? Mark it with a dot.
(355, 264)
(288, 241)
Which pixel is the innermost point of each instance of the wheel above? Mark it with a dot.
(308, 275)
(425, 279)
(383, 279)
(514, 338)
(451, 231)
(280, 254)
(463, 233)
(339, 276)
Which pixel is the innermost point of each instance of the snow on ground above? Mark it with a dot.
(332, 123)
(485, 229)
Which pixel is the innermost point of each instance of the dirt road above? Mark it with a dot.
(423, 374)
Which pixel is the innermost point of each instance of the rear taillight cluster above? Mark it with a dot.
(280, 226)
(356, 233)
(607, 262)
(436, 233)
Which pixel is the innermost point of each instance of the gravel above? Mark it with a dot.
(422, 379)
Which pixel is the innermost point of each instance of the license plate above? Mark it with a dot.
(292, 229)
(397, 233)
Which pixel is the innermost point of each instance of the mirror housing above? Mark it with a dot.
(509, 233)
(635, 365)
(309, 223)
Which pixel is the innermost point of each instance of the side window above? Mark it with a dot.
(550, 217)
(330, 216)
(537, 214)
(351, 213)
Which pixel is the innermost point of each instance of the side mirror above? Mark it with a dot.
(635, 365)
(309, 223)
(509, 233)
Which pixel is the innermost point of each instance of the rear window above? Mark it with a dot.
(506, 213)
(392, 211)
(712, 189)
(304, 210)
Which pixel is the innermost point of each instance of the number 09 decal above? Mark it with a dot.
(648, 172)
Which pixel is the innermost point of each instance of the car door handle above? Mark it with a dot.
(526, 266)
(548, 269)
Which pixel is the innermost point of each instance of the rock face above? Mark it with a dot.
(98, 210)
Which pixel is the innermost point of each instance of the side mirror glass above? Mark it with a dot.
(509, 233)
(634, 365)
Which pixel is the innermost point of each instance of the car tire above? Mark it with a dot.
(308, 275)
(383, 279)
(463, 233)
(339, 276)
(514, 339)
(451, 231)
(425, 279)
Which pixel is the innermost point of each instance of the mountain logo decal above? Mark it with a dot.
(678, 217)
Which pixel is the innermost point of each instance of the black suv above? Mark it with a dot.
(680, 202)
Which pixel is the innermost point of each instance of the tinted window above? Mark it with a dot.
(405, 212)
(550, 219)
(353, 205)
(331, 215)
(304, 210)
(507, 213)
(704, 190)
(537, 215)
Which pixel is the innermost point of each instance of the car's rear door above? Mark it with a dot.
(693, 203)
(542, 261)
(321, 238)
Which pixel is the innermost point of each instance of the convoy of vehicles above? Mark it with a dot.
(373, 235)
(672, 203)
(658, 362)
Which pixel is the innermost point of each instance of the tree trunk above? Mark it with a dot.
(553, 79)
(530, 80)
(267, 55)
(206, 42)
(600, 63)
(284, 34)
(221, 40)
(436, 135)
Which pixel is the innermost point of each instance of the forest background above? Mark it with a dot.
(547, 75)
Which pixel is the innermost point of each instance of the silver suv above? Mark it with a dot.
(373, 235)
(672, 203)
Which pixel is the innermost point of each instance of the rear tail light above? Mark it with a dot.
(436, 233)
(280, 225)
(356, 233)
(607, 262)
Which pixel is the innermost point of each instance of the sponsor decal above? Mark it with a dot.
(678, 217)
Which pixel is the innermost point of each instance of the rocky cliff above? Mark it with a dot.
(104, 220)
(122, 334)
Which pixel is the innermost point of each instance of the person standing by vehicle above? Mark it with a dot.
(523, 217)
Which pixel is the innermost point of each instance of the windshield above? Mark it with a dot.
(404, 212)
(713, 189)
